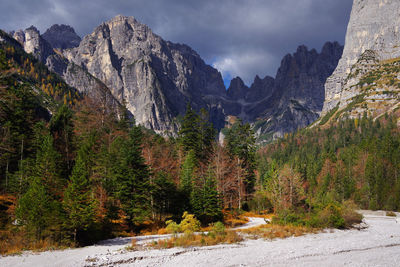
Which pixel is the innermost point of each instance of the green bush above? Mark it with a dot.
(189, 224)
(289, 217)
(218, 228)
(172, 227)
(322, 215)
(331, 216)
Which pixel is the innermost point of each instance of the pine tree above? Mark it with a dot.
(61, 126)
(240, 142)
(187, 172)
(47, 167)
(211, 200)
(133, 178)
(197, 134)
(207, 136)
(165, 195)
(35, 208)
(189, 134)
(78, 198)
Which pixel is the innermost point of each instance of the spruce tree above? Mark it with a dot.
(187, 172)
(133, 178)
(47, 167)
(189, 134)
(61, 128)
(211, 200)
(34, 208)
(197, 134)
(240, 142)
(78, 198)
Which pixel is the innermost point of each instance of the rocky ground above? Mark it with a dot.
(378, 244)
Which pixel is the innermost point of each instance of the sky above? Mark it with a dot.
(238, 37)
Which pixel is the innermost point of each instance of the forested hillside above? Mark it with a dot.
(74, 171)
(354, 159)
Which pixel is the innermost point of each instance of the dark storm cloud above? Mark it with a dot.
(239, 37)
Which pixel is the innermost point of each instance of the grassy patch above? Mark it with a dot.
(194, 240)
(272, 231)
(234, 219)
(15, 242)
(216, 235)
(328, 115)
(330, 215)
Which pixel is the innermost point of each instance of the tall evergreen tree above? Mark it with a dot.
(78, 198)
(189, 133)
(133, 178)
(197, 134)
(61, 126)
(212, 202)
(188, 172)
(240, 142)
(205, 199)
(47, 167)
(34, 208)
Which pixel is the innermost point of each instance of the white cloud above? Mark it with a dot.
(245, 65)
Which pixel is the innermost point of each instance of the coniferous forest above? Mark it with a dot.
(74, 171)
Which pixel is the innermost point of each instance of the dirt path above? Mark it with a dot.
(377, 245)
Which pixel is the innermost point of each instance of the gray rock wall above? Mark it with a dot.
(374, 25)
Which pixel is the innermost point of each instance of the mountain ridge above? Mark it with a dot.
(157, 78)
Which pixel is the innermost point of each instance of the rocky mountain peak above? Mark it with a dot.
(237, 89)
(330, 47)
(61, 36)
(373, 25)
(19, 35)
(32, 29)
(33, 43)
(156, 78)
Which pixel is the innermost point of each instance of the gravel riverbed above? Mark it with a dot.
(378, 244)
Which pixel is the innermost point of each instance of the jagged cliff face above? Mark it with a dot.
(61, 36)
(33, 43)
(155, 78)
(293, 99)
(75, 76)
(374, 28)
(124, 61)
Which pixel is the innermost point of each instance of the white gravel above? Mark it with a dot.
(376, 245)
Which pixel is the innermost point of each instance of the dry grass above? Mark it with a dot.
(236, 222)
(197, 240)
(252, 214)
(272, 231)
(391, 214)
(162, 231)
(16, 243)
(133, 242)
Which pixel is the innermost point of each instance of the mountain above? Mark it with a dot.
(36, 44)
(24, 77)
(122, 60)
(61, 36)
(366, 78)
(293, 99)
(154, 77)
(33, 43)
